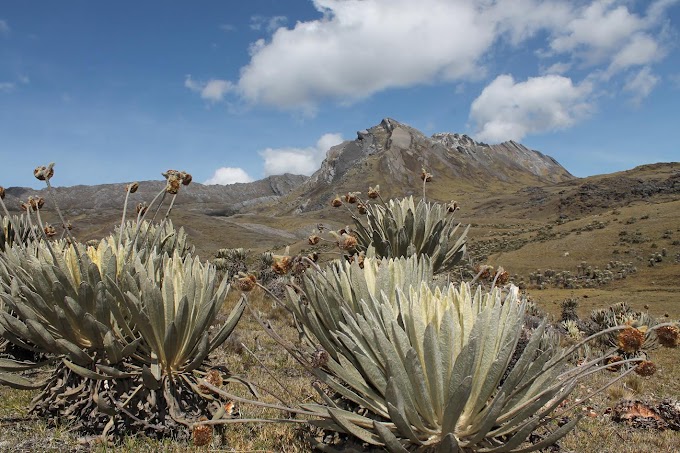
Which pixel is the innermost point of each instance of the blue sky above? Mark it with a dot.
(233, 91)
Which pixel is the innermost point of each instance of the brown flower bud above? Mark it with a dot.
(2, 193)
(320, 358)
(351, 197)
(36, 202)
(282, 264)
(453, 206)
(337, 202)
(202, 435)
(630, 340)
(246, 283)
(173, 186)
(141, 208)
(503, 276)
(669, 336)
(425, 176)
(43, 173)
(347, 242)
(186, 178)
(484, 270)
(361, 208)
(50, 231)
(374, 192)
(646, 368)
(313, 239)
(212, 377)
(614, 359)
(132, 188)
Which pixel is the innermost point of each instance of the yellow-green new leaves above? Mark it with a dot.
(401, 229)
(433, 362)
(177, 301)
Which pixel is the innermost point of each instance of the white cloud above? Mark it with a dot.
(6, 87)
(270, 24)
(213, 90)
(640, 50)
(227, 27)
(641, 84)
(557, 68)
(299, 161)
(607, 32)
(229, 175)
(361, 47)
(4, 27)
(506, 110)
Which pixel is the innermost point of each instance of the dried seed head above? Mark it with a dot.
(425, 175)
(2, 193)
(43, 173)
(669, 336)
(141, 208)
(320, 358)
(630, 340)
(361, 208)
(36, 202)
(313, 257)
(347, 242)
(174, 178)
(202, 435)
(173, 186)
(246, 283)
(50, 231)
(484, 270)
(337, 202)
(313, 239)
(351, 197)
(374, 192)
(614, 359)
(282, 264)
(503, 276)
(214, 377)
(132, 188)
(453, 206)
(646, 368)
(186, 178)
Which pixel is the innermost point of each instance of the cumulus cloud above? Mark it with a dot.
(299, 161)
(360, 47)
(213, 90)
(357, 48)
(641, 84)
(229, 175)
(607, 32)
(509, 110)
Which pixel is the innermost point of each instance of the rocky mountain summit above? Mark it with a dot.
(393, 153)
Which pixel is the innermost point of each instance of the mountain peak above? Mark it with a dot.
(395, 152)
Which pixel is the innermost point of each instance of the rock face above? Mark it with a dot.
(401, 151)
(212, 199)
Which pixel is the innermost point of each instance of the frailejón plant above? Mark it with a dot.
(402, 228)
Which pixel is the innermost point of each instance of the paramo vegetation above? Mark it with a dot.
(123, 331)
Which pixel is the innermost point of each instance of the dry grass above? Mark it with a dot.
(252, 353)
